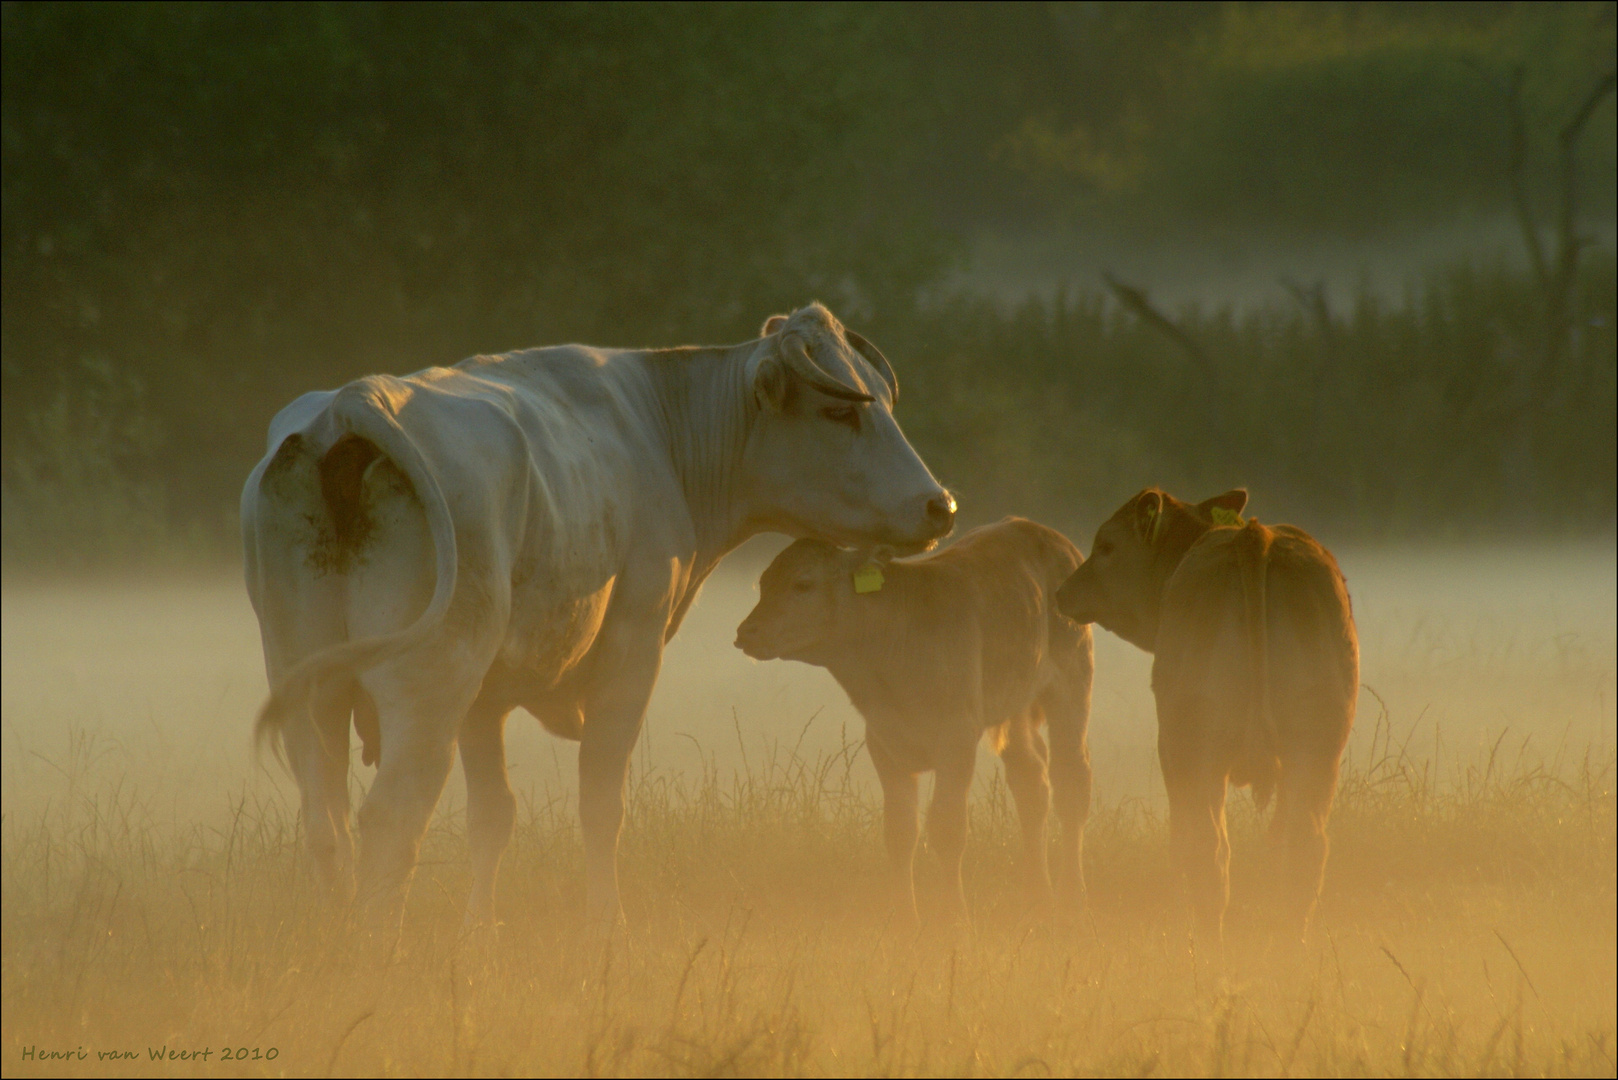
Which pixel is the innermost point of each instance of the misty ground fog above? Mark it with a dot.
(1465, 927)
(154, 684)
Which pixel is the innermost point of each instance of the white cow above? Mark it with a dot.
(427, 553)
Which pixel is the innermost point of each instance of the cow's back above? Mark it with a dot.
(538, 481)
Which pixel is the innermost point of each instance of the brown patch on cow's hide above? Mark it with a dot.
(348, 526)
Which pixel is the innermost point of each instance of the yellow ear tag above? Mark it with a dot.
(868, 578)
(1222, 516)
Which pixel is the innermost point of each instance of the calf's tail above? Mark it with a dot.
(1263, 750)
(365, 409)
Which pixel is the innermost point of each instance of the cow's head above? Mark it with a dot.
(802, 597)
(1121, 584)
(825, 457)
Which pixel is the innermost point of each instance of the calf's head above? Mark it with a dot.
(825, 457)
(1121, 584)
(803, 598)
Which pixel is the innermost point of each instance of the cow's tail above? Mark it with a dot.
(1253, 547)
(360, 410)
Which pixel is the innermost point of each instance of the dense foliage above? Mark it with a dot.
(208, 209)
(1437, 416)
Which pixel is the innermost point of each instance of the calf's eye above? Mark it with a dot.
(802, 586)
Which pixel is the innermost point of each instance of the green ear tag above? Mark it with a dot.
(868, 578)
(1222, 516)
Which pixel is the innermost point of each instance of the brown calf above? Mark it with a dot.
(1256, 672)
(933, 652)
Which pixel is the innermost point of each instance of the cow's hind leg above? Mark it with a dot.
(299, 608)
(1026, 760)
(317, 752)
(420, 719)
(491, 809)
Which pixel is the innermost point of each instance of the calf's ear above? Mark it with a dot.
(772, 324)
(1233, 500)
(1149, 516)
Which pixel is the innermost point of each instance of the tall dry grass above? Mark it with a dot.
(1466, 928)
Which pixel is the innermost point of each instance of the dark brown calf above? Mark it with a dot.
(1256, 673)
(933, 652)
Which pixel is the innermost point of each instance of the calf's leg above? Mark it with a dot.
(946, 825)
(1025, 759)
(1198, 841)
(899, 830)
(1067, 716)
(1308, 786)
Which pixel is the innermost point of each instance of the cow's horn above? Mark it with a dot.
(796, 355)
(878, 361)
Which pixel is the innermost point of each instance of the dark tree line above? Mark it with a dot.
(210, 208)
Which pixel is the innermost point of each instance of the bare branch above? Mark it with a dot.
(1312, 299)
(1516, 165)
(1570, 135)
(1136, 300)
(1558, 294)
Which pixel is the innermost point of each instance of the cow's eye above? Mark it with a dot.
(802, 586)
(847, 415)
(1103, 549)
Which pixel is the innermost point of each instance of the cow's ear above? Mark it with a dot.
(771, 384)
(1234, 501)
(1149, 516)
(772, 324)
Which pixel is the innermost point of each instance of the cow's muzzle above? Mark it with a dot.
(941, 513)
(935, 513)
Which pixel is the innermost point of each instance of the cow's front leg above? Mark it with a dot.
(612, 721)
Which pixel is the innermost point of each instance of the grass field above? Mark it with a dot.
(153, 898)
